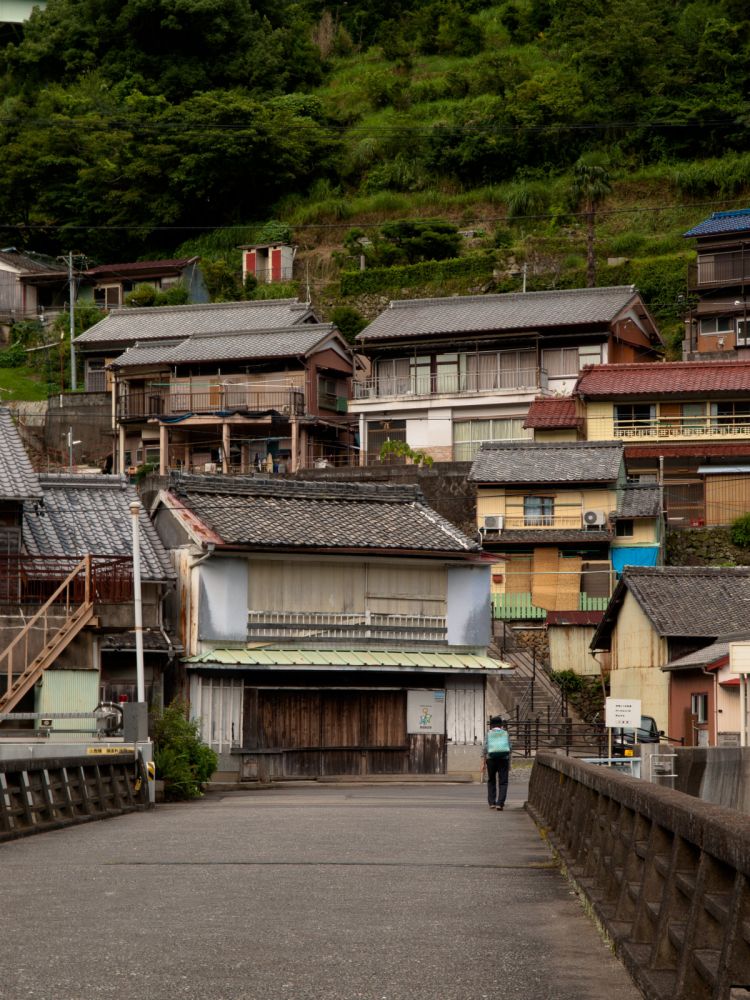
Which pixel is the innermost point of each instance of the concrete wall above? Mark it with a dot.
(90, 416)
(720, 775)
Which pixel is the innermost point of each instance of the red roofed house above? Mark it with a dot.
(687, 423)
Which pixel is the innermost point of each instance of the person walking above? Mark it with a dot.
(496, 758)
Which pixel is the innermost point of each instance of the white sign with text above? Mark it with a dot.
(619, 712)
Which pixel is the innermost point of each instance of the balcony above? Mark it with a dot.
(451, 384)
(347, 627)
(28, 579)
(719, 269)
(554, 522)
(519, 607)
(674, 428)
(180, 401)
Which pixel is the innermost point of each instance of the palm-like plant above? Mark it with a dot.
(588, 190)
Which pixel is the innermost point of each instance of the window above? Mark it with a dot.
(469, 435)
(716, 324)
(699, 706)
(730, 416)
(538, 512)
(327, 392)
(590, 355)
(560, 362)
(624, 528)
(742, 338)
(96, 375)
(108, 296)
(633, 419)
(380, 431)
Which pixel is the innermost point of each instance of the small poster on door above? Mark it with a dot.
(425, 712)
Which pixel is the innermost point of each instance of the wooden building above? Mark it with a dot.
(329, 628)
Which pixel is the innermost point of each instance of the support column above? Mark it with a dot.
(121, 450)
(295, 444)
(244, 457)
(362, 439)
(304, 447)
(225, 443)
(163, 449)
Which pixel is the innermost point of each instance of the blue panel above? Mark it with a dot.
(645, 555)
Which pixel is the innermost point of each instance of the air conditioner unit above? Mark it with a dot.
(594, 518)
(209, 467)
(493, 523)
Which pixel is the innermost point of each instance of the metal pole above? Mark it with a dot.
(71, 292)
(743, 710)
(135, 509)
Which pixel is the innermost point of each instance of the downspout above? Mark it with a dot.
(210, 549)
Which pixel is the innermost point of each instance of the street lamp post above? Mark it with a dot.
(135, 510)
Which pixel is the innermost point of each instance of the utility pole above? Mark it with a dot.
(72, 294)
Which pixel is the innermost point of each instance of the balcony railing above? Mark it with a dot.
(715, 270)
(176, 401)
(520, 607)
(26, 579)
(678, 427)
(370, 625)
(451, 384)
(560, 522)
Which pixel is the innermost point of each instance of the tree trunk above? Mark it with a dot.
(590, 259)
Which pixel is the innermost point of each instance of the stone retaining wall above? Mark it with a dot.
(665, 874)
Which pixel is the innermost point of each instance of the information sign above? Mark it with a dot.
(622, 712)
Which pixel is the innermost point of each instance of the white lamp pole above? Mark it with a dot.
(135, 509)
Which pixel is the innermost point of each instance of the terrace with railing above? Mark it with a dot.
(178, 400)
(560, 522)
(520, 607)
(713, 270)
(451, 384)
(672, 428)
(346, 627)
(31, 579)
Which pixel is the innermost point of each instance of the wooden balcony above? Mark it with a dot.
(214, 399)
(452, 384)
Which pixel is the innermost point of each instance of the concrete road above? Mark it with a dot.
(311, 891)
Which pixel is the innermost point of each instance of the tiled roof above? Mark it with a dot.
(670, 378)
(31, 263)
(150, 352)
(484, 313)
(268, 513)
(688, 601)
(91, 514)
(552, 412)
(140, 267)
(165, 322)
(348, 659)
(284, 343)
(18, 481)
(722, 222)
(539, 462)
(640, 501)
(546, 536)
(574, 617)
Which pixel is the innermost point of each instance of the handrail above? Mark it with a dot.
(7, 654)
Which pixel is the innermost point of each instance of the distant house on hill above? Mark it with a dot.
(717, 326)
(445, 375)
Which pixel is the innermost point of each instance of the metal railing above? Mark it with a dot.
(450, 384)
(28, 579)
(335, 625)
(728, 268)
(672, 427)
(572, 522)
(176, 401)
(521, 606)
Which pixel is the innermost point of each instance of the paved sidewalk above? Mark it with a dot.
(340, 892)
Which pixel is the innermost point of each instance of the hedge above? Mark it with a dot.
(378, 279)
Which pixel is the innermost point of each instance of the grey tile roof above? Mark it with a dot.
(544, 536)
(285, 343)
(722, 222)
(129, 325)
(539, 462)
(91, 514)
(484, 313)
(708, 654)
(640, 501)
(690, 601)
(266, 513)
(150, 352)
(18, 481)
(31, 264)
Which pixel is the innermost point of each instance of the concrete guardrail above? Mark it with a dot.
(45, 794)
(665, 874)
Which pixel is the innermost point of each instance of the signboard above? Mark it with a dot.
(425, 712)
(739, 657)
(622, 712)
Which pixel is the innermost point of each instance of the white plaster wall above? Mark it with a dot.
(222, 615)
(469, 622)
(433, 430)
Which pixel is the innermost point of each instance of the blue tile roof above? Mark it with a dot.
(722, 222)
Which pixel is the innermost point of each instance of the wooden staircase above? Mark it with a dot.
(22, 666)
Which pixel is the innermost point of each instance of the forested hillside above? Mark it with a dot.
(135, 128)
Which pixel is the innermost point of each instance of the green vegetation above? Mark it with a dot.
(739, 531)
(585, 694)
(183, 763)
(400, 449)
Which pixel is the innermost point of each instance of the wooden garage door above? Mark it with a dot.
(311, 733)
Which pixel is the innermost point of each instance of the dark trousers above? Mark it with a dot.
(497, 778)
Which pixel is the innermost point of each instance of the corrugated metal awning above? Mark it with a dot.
(348, 659)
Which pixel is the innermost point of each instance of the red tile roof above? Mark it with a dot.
(140, 266)
(551, 413)
(664, 379)
(574, 617)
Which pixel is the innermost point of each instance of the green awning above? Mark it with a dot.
(348, 659)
